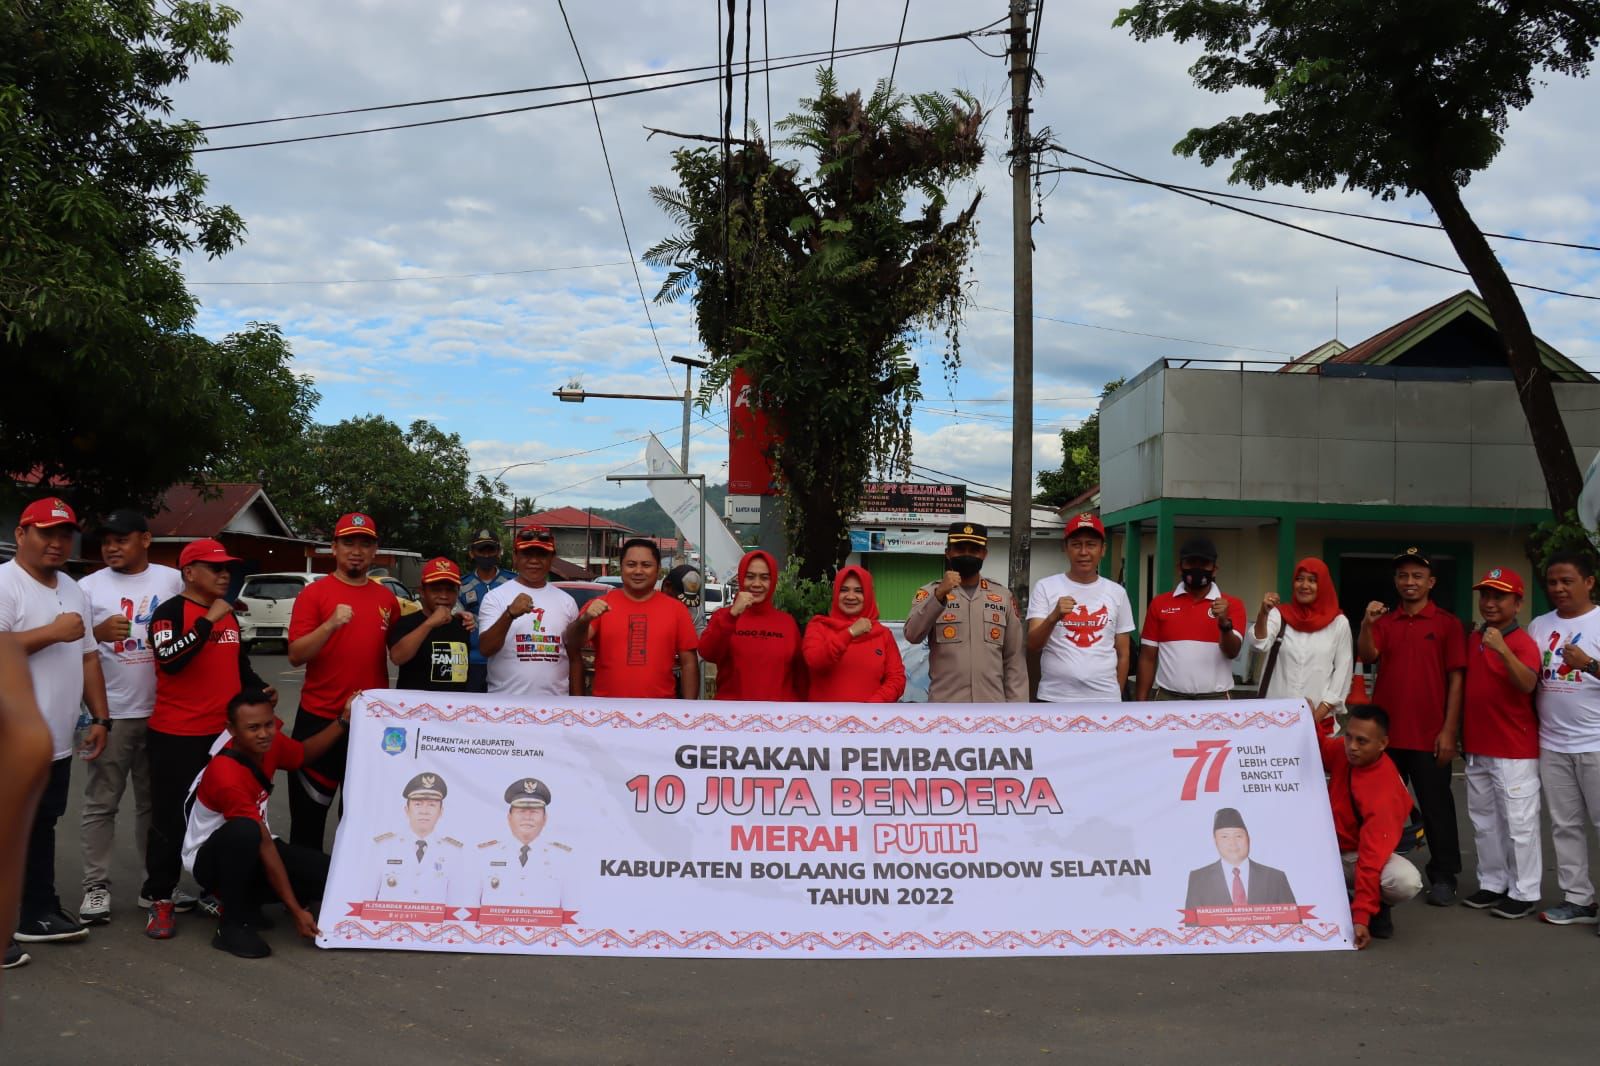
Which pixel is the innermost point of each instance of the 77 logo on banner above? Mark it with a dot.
(1214, 751)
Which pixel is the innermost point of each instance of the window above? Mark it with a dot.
(272, 588)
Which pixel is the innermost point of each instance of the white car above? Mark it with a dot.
(268, 601)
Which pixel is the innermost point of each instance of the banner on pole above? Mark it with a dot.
(624, 827)
(720, 554)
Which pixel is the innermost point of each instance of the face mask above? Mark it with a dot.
(966, 565)
(1196, 580)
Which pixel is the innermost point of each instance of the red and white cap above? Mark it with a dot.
(1086, 520)
(1501, 580)
(440, 569)
(47, 513)
(356, 524)
(205, 551)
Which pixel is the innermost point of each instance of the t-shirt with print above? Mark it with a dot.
(440, 665)
(129, 664)
(1568, 699)
(1079, 661)
(57, 670)
(1497, 718)
(229, 789)
(356, 656)
(636, 645)
(533, 660)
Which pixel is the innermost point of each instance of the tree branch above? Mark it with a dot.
(701, 137)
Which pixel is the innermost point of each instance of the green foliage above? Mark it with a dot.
(819, 284)
(1566, 534)
(1080, 459)
(802, 597)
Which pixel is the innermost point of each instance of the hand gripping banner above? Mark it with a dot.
(625, 827)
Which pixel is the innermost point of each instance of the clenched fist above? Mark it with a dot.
(439, 617)
(1269, 602)
(741, 603)
(860, 627)
(1065, 605)
(1219, 608)
(1375, 611)
(117, 627)
(342, 614)
(1493, 639)
(520, 606)
(948, 585)
(596, 608)
(67, 627)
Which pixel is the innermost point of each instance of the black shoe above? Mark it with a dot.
(1381, 924)
(240, 940)
(56, 926)
(1515, 908)
(1411, 838)
(258, 921)
(1442, 894)
(1483, 899)
(15, 956)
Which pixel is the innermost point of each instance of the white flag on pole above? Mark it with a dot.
(681, 500)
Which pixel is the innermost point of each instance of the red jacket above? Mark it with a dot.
(846, 669)
(758, 653)
(1370, 808)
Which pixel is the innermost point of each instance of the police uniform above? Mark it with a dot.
(535, 874)
(473, 590)
(974, 636)
(418, 868)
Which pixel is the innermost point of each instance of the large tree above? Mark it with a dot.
(1080, 459)
(819, 283)
(1396, 97)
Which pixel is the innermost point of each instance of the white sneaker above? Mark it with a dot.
(182, 902)
(96, 906)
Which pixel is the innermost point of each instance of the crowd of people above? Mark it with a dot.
(153, 657)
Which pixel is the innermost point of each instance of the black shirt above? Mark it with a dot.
(440, 665)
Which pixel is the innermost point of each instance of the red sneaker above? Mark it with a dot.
(162, 923)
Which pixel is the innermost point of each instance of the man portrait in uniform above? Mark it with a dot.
(1235, 880)
(416, 865)
(524, 870)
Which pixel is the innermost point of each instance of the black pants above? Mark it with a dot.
(312, 788)
(39, 868)
(1431, 783)
(175, 762)
(228, 865)
(477, 677)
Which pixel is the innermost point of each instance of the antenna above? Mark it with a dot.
(1336, 312)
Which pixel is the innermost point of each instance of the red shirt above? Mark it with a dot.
(757, 654)
(357, 655)
(200, 666)
(1498, 718)
(229, 788)
(1415, 656)
(1184, 632)
(636, 645)
(846, 669)
(1370, 807)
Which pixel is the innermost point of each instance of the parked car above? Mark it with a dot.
(268, 600)
(409, 604)
(714, 596)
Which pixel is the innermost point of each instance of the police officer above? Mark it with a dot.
(416, 864)
(524, 871)
(487, 574)
(972, 625)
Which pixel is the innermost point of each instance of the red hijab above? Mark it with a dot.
(772, 590)
(836, 618)
(1320, 613)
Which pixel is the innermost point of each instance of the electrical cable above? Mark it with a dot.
(834, 39)
(1138, 333)
(904, 11)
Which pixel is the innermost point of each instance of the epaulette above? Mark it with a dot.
(452, 841)
(488, 844)
(563, 847)
(381, 837)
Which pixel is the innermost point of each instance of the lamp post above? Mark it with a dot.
(575, 393)
(510, 494)
(700, 612)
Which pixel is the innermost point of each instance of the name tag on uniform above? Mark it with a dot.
(395, 862)
(498, 862)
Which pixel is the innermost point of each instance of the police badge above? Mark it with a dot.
(394, 740)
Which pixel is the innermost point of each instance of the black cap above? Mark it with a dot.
(425, 787)
(1413, 555)
(125, 520)
(1228, 818)
(967, 533)
(485, 536)
(1198, 548)
(528, 792)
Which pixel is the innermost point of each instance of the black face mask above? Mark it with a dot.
(965, 565)
(1196, 579)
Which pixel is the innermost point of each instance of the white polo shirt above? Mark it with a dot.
(1180, 627)
(57, 670)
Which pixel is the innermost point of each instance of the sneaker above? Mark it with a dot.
(1411, 838)
(207, 904)
(240, 940)
(1483, 899)
(1515, 908)
(15, 957)
(1381, 925)
(96, 906)
(58, 926)
(1571, 914)
(182, 902)
(1442, 894)
(162, 924)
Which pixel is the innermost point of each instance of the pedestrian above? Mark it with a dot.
(525, 623)
(1079, 623)
(48, 613)
(972, 626)
(1310, 653)
(850, 656)
(25, 748)
(1500, 739)
(1370, 805)
(486, 576)
(686, 584)
(1421, 652)
(339, 632)
(1191, 635)
(122, 599)
(228, 845)
(640, 634)
(755, 646)
(1568, 639)
(200, 666)
(430, 646)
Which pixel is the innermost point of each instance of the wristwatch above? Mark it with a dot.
(1592, 667)
(103, 723)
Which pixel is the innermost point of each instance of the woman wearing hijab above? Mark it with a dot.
(1308, 644)
(852, 658)
(756, 646)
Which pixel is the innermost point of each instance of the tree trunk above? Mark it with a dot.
(1562, 479)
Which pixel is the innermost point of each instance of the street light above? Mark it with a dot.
(700, 612)
(511, 495)
(572, 392)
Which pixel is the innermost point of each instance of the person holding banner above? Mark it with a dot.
(639, 634)
(1310, 653)
(756, 646)
(521, 871)
(852, 658)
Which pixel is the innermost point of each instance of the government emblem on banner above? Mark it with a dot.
(394, 740)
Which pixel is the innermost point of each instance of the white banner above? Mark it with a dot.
(681, 500)
(625, 827)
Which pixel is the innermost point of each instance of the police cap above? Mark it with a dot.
(425, 787)
(968, 533)
(528, 792)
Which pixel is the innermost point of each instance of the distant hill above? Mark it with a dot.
(647, 517)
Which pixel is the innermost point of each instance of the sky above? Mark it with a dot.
(1124, 275)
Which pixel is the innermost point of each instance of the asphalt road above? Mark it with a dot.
(1454, 985)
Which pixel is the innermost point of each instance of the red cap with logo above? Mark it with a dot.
(1501, 581)
(47, 513)
(356, 524)
(440, 569)
(530, 537)
(1087, 520)
(205, 551)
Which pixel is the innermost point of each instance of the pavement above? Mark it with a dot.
(1454, 985)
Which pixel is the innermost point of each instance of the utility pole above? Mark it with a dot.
(1021, 309)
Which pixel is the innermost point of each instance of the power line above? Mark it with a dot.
(644, 301)
(620, 469)
(904, 11)
(766, 62)
(422, 277)
(1138, 333)
(957, 478)
(834, 39)
(604, 447)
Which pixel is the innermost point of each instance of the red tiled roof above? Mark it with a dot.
(186, 513)
(1362, 353)
(567, 518)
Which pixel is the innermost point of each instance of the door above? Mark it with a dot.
(896, 578)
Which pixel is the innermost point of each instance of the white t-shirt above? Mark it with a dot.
(57, 669)
(130, 665)
(1568, 700)
(533, 660)
(1079, 662)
